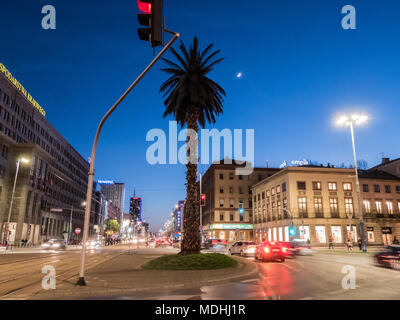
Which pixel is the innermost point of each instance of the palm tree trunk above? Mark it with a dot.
(191, 242)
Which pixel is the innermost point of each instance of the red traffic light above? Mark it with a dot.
(144, 6)
(203, 197)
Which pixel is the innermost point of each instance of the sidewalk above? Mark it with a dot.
(340, 249)
(123, 275)
(36, 249)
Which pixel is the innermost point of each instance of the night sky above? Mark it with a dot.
(299, 69)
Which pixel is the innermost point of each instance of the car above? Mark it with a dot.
(93, 244)
(389, 257)
(176, 244)
(270, 251)
(210, 243)
(244, 248)
(54, 244)
(290, 248)
(301, 247)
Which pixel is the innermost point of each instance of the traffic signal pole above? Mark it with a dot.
(81, 280)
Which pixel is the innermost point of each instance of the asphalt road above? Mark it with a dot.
(308, 277)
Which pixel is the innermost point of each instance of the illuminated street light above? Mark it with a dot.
(356, 119)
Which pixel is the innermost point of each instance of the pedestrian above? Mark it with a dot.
(330, 243)
(349, 244)
(359, 243)
(395, 241)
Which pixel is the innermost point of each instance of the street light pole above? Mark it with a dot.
(11, 202)
(362, 233)
(70, 225)
(81, 280)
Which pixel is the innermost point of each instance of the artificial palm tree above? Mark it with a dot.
(192, 99)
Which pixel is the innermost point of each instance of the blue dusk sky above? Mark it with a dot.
(299, 68)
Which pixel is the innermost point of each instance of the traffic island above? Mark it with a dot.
(129, 274)
(199, 261)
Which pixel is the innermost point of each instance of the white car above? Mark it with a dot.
(244, 248)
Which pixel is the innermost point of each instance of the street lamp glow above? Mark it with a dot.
(354, 118)
(24, 160)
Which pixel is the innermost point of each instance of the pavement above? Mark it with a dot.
(114, 273)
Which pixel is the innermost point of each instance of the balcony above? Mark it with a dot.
(319, 214)
(303, 214)
(335, 215)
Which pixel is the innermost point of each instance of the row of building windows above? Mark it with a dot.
(241, 190)
(231, 217)
(380, 206)
(232, 203)
(231, 176)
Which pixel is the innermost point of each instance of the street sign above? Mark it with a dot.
(78, 230)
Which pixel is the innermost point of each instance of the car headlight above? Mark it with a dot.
(55, 245)
(45, 245)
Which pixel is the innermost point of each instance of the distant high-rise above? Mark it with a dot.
(114, 192)
(135, 209)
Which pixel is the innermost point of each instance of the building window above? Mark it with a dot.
(240, 177)
(230, 175)
(377, 188)
(221, 202)
(4, 151)
(367, 206)
(332, 186)
(221, 189)
(347, 186)
(278, 189)
(318, 207)
(268, 193)
(231, 203)
(263, 195)
(348, 205)
(365, 188)
(230, 189)
(397, 189)
(389, 205)
(316, 185)
(301, 185)
(333, 205)
(241, 218)
(221, 176)
(259, 177)
(272, 191)
(284, 187)
(302, 204)
(221, 217)
(378, 205)
(231, 217)
(240, 190)
(388, 189)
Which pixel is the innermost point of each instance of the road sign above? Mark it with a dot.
(78, 230)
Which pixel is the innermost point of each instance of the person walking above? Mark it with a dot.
(359, 243)
(330, 242)
(349, 244)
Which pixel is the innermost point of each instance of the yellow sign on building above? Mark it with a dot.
(21, 89)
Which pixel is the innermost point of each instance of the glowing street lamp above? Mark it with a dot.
(356, 119)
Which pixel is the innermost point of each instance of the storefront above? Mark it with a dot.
(304, 232)
(336, 232)
(387, 237)
(230, 231)
(320, 234)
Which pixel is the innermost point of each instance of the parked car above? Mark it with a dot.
(389, 257)
(270, 251)
(54, 244)
(244, 248)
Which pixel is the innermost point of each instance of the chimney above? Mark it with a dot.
(329, 165)
(267, 163)
(385, 160)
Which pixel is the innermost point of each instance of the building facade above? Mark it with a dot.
(321, 202)
(225, 193)
(389, 166)
(114, 192)
(51, 186)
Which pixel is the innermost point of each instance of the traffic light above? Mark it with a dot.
(202, 200)
(241, 209)
(292, 230)
(153, 19)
